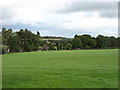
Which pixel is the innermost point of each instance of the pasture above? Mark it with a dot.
(61, 69)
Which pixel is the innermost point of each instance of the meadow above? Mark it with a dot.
(61, 69)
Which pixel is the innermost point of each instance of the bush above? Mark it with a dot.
(54, 48)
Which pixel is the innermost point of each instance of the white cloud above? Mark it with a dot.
(44, 11)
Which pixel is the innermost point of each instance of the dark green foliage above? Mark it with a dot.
(51, 44)
(13, 43)
(87, 41)
(84, 41)
(64, 44)
(51, 37)
(92, 43)
(113, 42)
(23, 40)
(69, 46)
(5, 35)
(106, 42)
(26, 41)
(77, 43)
(59, 45)
(118, 42)
(44, 45)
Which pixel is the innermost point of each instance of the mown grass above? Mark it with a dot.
(61, 69)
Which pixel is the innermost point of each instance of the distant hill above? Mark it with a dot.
(53, 38)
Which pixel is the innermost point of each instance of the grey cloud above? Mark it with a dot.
(109, 14)
(106, 9)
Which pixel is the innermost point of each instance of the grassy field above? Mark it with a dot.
(61, 69)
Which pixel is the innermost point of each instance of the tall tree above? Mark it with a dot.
(77, 43)
(5, 35)
(102, 41)
(13, 43)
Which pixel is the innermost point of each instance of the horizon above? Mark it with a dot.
(61, 35)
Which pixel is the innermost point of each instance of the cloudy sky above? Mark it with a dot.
(60, 17)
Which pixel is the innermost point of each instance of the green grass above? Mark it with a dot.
(61, 69)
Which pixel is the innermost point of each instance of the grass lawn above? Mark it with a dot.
(61, 69)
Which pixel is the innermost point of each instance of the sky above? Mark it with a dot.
(63, 18)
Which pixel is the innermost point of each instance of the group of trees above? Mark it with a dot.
(25, 40)
(87, 42)
(21, 41)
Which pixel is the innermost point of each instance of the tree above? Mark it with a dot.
(69, 46)
(102, 41)
(5, 35)
(59, 45)
(13, 43)
(28, 41)
(88, 41)
(118, 42)
(38, 33)
(24, 40)
(77, 43)
(92, 43)
(113, 42)
(44, 45)
(52, 44)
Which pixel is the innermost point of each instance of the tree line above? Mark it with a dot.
(25, 41)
